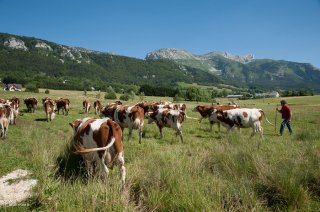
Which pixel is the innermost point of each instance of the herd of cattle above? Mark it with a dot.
(99, 140)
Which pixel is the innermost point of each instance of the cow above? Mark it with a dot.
(4, 122)
(146, 106)
(242, 118)
(49, 108)
(99, 141)
(127, 117)
(9, 112)
(97, 106)
(62, 104)
(165, 117)
(31, 104)
(17, 100)
(86, 105)
(206, 111)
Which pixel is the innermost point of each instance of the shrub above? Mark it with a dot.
(125, 97)
(111, 95)
(32, 88)
(178, 98)
(47, 91)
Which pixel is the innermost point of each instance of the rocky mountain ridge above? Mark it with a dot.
(180, 54)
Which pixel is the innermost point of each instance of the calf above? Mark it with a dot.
(97, 106)
(49, 108)
(168, 118)
(31, 104)
(99, 141)
(242, 118)
(127, 117)
(86, 105)
(63, 104)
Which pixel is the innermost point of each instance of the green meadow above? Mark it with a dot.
(210, 171)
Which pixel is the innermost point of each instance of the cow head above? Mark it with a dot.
(75, 124)
(151, 117)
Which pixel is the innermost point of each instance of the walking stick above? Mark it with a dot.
(275, 121)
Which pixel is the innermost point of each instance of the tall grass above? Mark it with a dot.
(209, 172)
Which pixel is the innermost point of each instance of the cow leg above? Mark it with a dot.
(180, 135)
(104, 171)
(122, 169)
(140, 134)
(130, 133)
(211, 125)
(161, 134)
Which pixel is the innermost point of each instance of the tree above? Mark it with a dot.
(193, 93)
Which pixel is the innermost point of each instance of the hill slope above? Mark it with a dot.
(25, 59)
(47, 64)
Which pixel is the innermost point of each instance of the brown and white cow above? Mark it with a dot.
(10, 112)
(63, 104)
(17, 101)
(86, 105)
(206, 111)
(99, 141)
(49, 108)
(97, 106)
(31, 104)
(127, 117)
(242, 118)
(168, 118)
(4, 122)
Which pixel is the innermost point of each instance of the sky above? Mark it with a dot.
(273, 29)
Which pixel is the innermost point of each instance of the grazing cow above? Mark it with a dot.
(99, 141)
(168, 118)
(49, 108)
(97, 106)
(127, 117)
(146, 106)
(31, 104)
(86, 105)
(16, 99)
(63, 104)
(4, 123)
(242, 118)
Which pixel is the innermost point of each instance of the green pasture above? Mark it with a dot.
(209, 172)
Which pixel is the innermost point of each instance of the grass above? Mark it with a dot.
(209, 172)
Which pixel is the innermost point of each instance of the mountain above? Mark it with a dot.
(28, 60)
(32, 60)
(245, 70)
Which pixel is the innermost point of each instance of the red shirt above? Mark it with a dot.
(285, 111)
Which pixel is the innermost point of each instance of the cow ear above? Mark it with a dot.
(71, 124)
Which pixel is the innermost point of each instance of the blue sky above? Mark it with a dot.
(275, 29)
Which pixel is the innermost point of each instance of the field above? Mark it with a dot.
(209, 172)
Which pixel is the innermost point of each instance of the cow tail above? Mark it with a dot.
(188, 117)
(81, 150)
(266, 117)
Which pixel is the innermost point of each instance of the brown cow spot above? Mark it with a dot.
(245, 114)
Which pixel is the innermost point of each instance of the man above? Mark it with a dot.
(286, 116)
